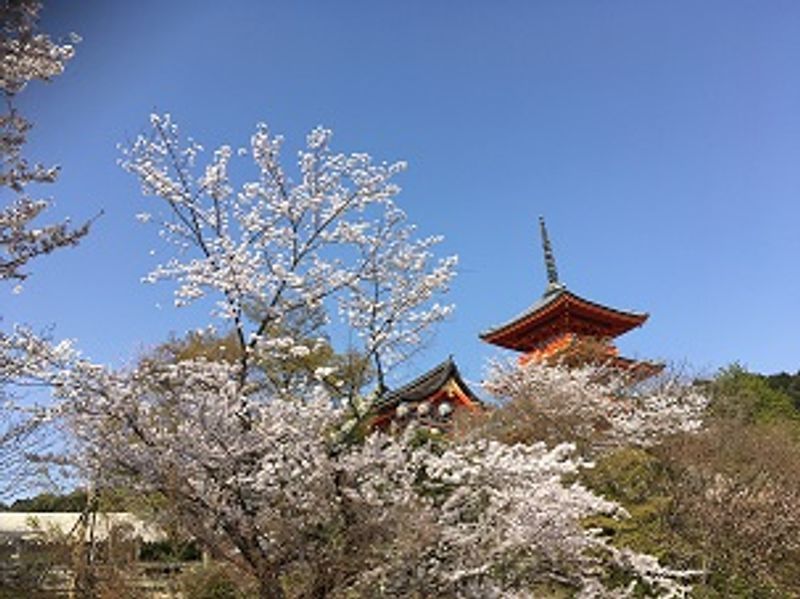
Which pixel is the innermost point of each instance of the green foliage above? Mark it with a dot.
(427, 437)
(170, 551)
(725, 500)
(788, 384)
(350, 372)
(640, 482)
(751, 398)
(630, 476)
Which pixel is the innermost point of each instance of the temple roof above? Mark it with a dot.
(560, 311)
(425, 385)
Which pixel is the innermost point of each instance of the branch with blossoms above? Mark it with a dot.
(596, 406)
(392, 303)
(503, 520)
(26, 55)
(29, 363)
(286, 246)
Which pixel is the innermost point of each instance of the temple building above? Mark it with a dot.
(431, 400)
(563, 327)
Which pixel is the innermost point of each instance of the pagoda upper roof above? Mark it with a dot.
(561, 311)
(425, 386)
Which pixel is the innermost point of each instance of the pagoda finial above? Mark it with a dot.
(553, 284)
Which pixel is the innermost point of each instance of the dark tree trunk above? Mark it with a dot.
(269, 587)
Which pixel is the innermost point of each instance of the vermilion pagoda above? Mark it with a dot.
(564, 327)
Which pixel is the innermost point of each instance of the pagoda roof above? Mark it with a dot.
(558, 311)
(424, 386)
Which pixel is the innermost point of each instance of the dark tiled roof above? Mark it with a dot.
(424, 386)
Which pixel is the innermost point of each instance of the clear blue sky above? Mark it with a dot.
(661, 140)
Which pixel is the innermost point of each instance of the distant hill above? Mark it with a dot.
(49, 502)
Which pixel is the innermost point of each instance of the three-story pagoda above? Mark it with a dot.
(563, 327)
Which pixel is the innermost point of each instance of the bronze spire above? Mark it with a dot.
(553, 284)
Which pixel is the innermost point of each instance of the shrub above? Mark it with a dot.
(216, 581)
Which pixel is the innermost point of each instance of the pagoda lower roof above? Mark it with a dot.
(425, 386)
(560, 311)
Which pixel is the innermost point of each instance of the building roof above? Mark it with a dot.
(38, 525)
(558, 311)
(424, 386)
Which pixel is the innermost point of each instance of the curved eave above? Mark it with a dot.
(562, 311)
(425, 386)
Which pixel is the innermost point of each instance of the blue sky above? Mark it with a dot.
(661, 140)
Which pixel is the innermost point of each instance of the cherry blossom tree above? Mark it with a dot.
(283, 246)
(25, 55)
(284, 501)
